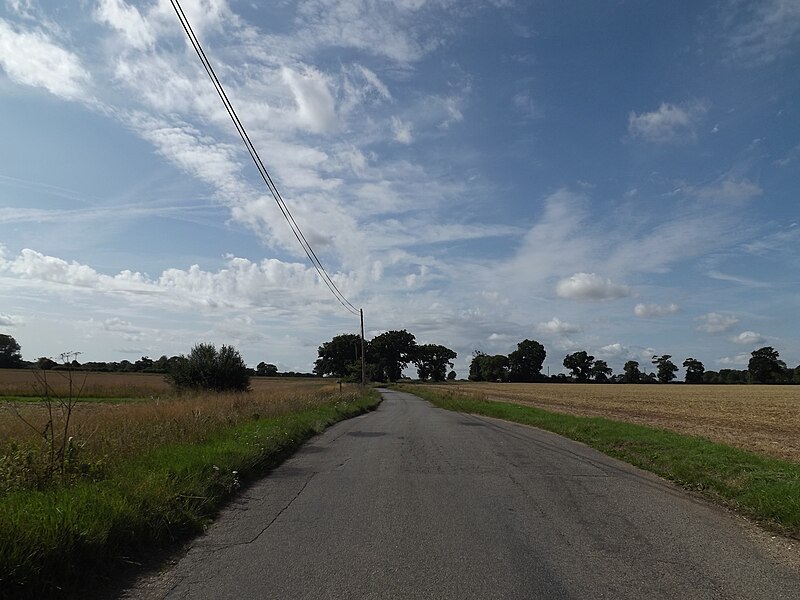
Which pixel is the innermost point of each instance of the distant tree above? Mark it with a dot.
(485, 367)
(632, 373)
(451, 376)
(44, 363)
(796, 374)
(10, 355)
(144, 364)
(665, 367)
(392, 352)
(209, 369)
(710, 377)
(266, 369)
(694, 370)
(525, 363)
(580, 363)
(432, 361)
(601, 371)
(765, 365)
(337, 356)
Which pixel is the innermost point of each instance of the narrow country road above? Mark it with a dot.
(416, 502)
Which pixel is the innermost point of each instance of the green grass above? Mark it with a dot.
(55, 542)
(764, 488)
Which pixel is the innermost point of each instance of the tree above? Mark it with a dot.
(207, 369)
(43, 363)
(432, 361)
(765, 365)
(266, 370)
(485, 367)
(525, 363)
(10, 355)
(665, 367)
(580, 363)
(632, 373)
(392, 351)
(451, 376)
(601, 371)
(694, 370)
(336, 357)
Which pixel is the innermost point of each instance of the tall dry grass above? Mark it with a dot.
(22, 382)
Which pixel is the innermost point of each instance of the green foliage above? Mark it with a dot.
(266, 370)
(580, 363)
(391, 352)
(632, 373)
(337, 356)
(57, 541)
(694, 370)
(488, 368)
(665, 367)
(762, 487)
(525, 363)
(10, 355)
(765, 366)
(206, 368)
(432, 361)
(601, 371)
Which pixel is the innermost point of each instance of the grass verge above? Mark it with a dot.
(54, 542)
(766, 489)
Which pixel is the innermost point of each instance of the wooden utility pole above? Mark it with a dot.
(363, 363)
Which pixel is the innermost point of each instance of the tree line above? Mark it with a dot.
(386, 356)
(525, 365)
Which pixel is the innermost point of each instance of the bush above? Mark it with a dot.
(208, 369)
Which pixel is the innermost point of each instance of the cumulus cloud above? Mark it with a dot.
(590, 286)
(671, 122)
(242, 283)
(749, 338)
(557, 326)
(649, 311)
(33, 58)
(714, 322)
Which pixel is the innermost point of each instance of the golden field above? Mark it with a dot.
(760, 418)
(122, 426)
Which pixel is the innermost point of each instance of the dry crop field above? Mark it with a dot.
(121, 427)
(760, 418)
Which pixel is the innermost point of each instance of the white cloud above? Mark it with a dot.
(127, 20)
(738, 279)
(649, 311)
(316, 109)
(749, 338)
(761, 32)
(402, 131)
(590, 286)
(557, 326)
(671, 122)
(7, 320)
(268, 284)
(32, 58)
(714, 322)
(739, 360)
(728, 191)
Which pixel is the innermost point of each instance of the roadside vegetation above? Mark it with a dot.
(764, 488)
(133, 476)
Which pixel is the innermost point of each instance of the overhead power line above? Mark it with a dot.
(262, 170)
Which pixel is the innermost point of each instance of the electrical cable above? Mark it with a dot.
(262, 170)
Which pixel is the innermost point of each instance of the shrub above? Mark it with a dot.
(208, 369)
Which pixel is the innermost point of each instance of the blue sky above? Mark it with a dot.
(619, 177)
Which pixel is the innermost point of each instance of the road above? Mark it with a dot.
(415, 502)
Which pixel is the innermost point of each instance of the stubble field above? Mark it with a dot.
(759, 418)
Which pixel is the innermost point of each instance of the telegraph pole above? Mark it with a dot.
(363, 364)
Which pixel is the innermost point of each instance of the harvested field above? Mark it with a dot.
(760, 418)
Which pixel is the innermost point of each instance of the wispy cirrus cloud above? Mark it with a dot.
(715, 322)
(761, 32)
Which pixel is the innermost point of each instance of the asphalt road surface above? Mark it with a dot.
(415, 502)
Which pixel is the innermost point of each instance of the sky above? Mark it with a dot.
(617, 177)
